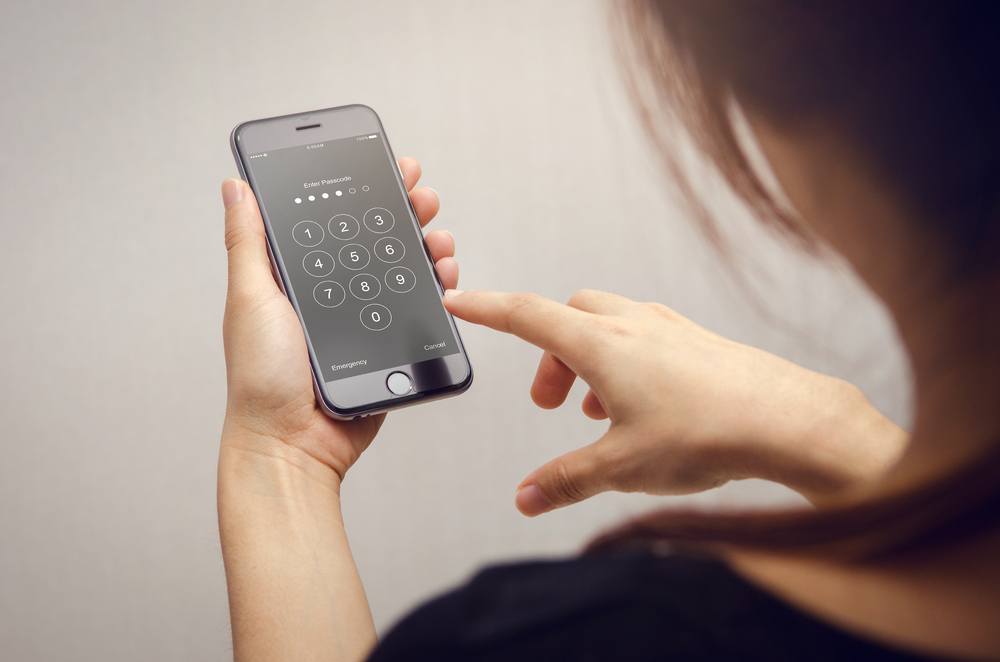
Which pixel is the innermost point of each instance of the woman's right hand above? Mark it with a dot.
(689, 410)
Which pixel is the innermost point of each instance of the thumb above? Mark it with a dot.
(566, 480)
(249, 267)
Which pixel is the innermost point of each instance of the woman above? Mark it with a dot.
(881, 123)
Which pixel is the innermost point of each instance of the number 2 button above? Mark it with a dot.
(343, 227)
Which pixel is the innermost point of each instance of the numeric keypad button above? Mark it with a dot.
(375, 317)
(400, 280)
(344, 227)
(329, 293)
(389, 249)
(318, 263)
(354, 256)
(307, 233)
(379, 220)
(365, 287)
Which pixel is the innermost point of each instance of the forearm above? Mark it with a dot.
(294, 591)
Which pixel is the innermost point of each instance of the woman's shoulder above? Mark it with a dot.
(623, 607)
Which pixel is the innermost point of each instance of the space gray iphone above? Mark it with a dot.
(347, 247)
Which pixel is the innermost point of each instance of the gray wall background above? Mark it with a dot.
(115, 121)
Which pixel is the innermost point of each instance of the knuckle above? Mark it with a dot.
(564, 484)
(520, 306)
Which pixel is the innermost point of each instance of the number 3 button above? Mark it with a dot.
(379, 220)
(365, 287)
(354, 256)
(389, 249)
(375, 317)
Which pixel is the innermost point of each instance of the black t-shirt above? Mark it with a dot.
(618, 607)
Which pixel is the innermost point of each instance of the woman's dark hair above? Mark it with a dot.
(914, 88)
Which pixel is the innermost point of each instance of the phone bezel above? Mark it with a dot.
(433, 378)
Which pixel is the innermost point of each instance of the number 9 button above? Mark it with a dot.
(400, 280)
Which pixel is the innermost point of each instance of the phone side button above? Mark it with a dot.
(399, 383)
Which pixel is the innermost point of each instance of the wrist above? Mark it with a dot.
(269, 466)
(829, 439)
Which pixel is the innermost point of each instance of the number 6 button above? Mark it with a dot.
(379, 220)
(375, 317)
(389, 249)
(354, 256)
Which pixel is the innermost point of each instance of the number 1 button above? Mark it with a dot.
(307, 233)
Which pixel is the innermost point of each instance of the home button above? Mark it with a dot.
(399, 383)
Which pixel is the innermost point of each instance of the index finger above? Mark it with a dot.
(567, 332)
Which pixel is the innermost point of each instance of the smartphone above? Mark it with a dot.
(348, 252)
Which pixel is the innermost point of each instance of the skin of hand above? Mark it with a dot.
(294, 590)
(270, 388)
(688, 409)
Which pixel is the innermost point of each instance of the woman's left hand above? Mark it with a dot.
(269, 377)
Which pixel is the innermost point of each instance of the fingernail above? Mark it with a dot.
(232, 192)
(531, 501)
(451, 294)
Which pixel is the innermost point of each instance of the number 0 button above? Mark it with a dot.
(375, 317)
(318, 263)
(400, 280)
(365, 287)
(379, 220)
(354, 256)
(329, 293)
(343, 227)
(308, 233)
(389, 249)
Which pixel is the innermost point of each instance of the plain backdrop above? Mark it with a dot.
(115, 123)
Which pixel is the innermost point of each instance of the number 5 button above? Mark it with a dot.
(379, 220)
(354, 256)
(389, 249)
(400, 280)
(375, 317)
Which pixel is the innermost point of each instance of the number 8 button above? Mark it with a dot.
(379, 220)
(375, 317)
(365, 287)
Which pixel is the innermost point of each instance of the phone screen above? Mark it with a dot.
(352, 255)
